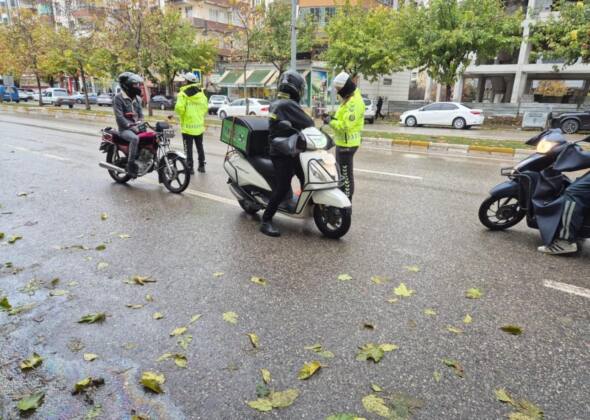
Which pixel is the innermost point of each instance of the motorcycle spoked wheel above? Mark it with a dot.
(115, 157)
(177, 178)
(333, 222)
(499, 213)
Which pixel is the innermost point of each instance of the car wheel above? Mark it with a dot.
(253, 113)
(570, 126)
(222, 115)
(410, 121)
(70, 106)
(459, 123)
(78, 101)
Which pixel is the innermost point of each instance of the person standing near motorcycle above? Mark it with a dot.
(128, 112)
(348, 123)
(191, 107)
(291, 88)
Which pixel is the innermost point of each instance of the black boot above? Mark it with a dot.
(268, 229)
(201, 168)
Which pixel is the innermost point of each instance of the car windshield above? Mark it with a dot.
(218, 98)
(59, 93)
(367, 101)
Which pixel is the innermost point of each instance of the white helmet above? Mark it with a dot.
(190, 77)
(343, 84)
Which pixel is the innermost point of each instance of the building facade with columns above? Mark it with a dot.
(518, 78)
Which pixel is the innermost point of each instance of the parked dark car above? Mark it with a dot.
(105, 99)
(572, 122)
(162, 102)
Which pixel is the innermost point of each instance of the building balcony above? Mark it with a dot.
(210, 25)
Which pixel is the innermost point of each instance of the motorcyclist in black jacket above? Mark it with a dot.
(291, 89)
(128, 112)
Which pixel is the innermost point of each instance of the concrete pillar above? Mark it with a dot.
(519, 87)
(458, 91)
(439, 89)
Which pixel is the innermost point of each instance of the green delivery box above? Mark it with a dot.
(247, 134)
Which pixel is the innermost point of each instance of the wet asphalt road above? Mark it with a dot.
(427, 221)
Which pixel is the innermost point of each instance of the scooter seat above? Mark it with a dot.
(264, 166)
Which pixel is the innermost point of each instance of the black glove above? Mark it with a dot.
(326, 119)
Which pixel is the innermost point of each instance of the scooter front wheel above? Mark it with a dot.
(500, 212)
(333, 222)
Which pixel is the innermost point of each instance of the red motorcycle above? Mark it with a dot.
(154, 155)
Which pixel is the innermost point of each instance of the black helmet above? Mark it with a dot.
(293, 84)
(130, 83)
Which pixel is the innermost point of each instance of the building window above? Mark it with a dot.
(387, 82)
(188, 12)
(214, 15)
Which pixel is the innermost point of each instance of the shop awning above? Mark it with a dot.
(231, 79)
(259, 78)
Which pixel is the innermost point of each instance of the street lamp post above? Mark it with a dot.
(294, 35)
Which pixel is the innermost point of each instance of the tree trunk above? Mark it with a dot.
(83, 76)
(39, 88)
(246, 87)
(449, 92)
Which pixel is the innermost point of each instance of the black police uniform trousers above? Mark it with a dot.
(345, 158)
(188, 140)
(285, 168)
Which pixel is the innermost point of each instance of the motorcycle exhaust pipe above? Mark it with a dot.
(111, 167)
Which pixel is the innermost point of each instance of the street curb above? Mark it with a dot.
(393, 144)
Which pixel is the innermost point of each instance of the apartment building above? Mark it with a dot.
(518, 78)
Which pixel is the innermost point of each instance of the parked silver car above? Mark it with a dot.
(105, 99)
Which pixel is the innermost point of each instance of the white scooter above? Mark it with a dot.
(251, 176)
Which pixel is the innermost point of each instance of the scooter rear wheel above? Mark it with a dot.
(333, 222)
(499, 213)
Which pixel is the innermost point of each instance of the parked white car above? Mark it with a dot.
(451, 114)
(51, 95)
(217, 101)
(238, 107)
(370, 110)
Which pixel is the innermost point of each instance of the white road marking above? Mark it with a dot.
(567, 288)
(368, 171)
(196, 193)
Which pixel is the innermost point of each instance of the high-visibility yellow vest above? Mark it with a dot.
(191, 111)
(349, 121)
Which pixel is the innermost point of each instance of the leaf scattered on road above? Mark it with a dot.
(31, 362)
(87, 383)
(4, 304)
(374, 352)
(380, 279)
(17, 310)
(437, 376)
(58, 292)
(254, 340)
(230, 317)
(456, 366)
(149, 298)
(31, 401)
(265, 375)
(429, 312)
(344, 416)
(376, 388)
(467, 319)
(180, 360)
(93, 318)
(454, 330)
(473, 293)
(134, 306)
(309, 369)
(102, 265)
(344, 277)
(376, 405)
(152, 381)
(194, 319)
(317, 348)
(124, 236)
(258, 280)
(261, 404)
(101, 247)
(502, 395)
(14, 238)
(90, 357)
(281, 399)
(140, 280)
(157, 315)
(412, 268)
(218, 274)
(178, 331)
(185, 340)
(526, 410)
(403, 291)
(104, 216)
(512, 329)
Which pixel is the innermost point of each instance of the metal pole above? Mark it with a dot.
(293, 34)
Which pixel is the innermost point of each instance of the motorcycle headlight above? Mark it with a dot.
(545, 146)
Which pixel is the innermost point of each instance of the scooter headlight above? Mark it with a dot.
(545, 146)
